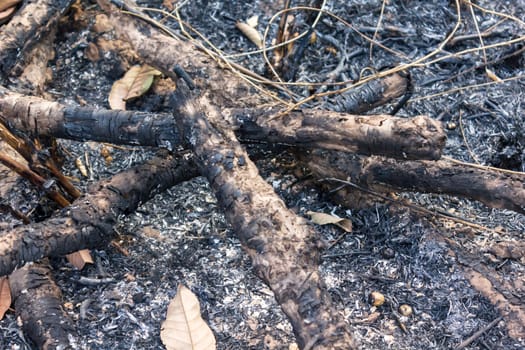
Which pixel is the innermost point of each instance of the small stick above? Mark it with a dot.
(181, 73)
(34, 178)
(476, 335)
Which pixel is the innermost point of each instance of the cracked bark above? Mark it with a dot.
(413, 138)
(268, 238)
(283, 249)
(388, 135)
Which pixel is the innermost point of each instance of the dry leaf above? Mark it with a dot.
(134, 83)
(251, 33)
(6, 4)
(5, 15)
(492, 75)
(5, 296)
(80, 259)
(169, 4)
(184, 328)
(253, 21)
(81, 167)
(325, 219)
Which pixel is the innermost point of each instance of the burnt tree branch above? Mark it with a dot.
(38, 304)
(496, 189)
(405, 138)
(283, 249)
(89, 221)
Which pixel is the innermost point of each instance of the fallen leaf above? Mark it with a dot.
(325, 219)
(184, 328)
(80, 259)
(251, 33)
(81, 166)
(5, 296)
(134, 83)
(253, 21)
(6, 4)
(5, 15)
(492, 75)
(169, 4)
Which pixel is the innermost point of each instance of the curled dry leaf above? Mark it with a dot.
(6, 4)
(253, 21)
(81, 167)
(133, 84)
(184, 328)
(5, 296)
(92, 52)
(251, 33)
(492, 75)
(325, 219)
(80, 259)
(6, 14)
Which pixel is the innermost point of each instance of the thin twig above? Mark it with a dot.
(472, 155)
(440, 214)
(476, 335)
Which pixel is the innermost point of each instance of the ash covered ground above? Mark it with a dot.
(181, 236)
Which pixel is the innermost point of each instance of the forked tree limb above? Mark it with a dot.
(38, 305)
(89, 221)
(283, 249)
(496, 189)
(406, 138)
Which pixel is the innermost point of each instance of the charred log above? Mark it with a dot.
(89, 221)
(413, 138)
(38, 304)
(494, 188)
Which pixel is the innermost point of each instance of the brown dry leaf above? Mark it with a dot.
(81, 166)
(184, 328)
(325, 219)
(492, 75)
(80, 259)
(134, 83)
(5, 296)
(169, 4)
(251, 33)
(5, 15)
(6, 4)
